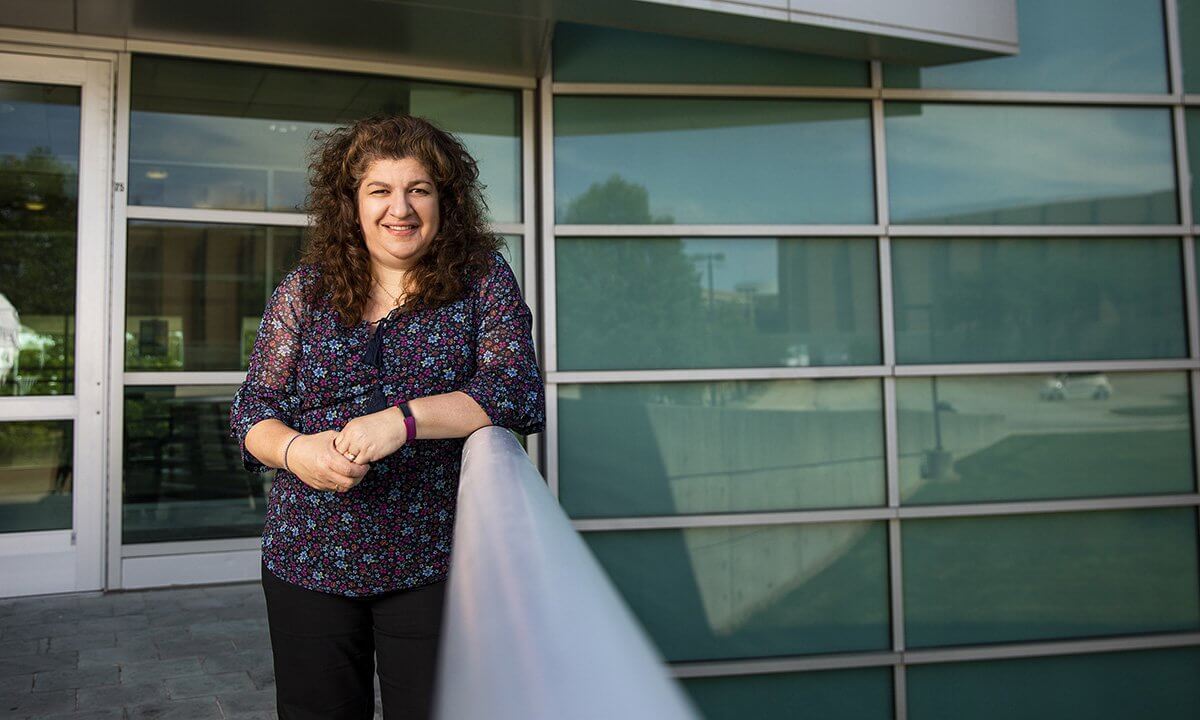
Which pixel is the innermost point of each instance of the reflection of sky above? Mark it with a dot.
(29, 125)
(747, 262)
(1066, 45)
(793, 172)
(258, 143)
(949, 159)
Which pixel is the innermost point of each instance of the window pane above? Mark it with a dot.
(1029, 437)
(1159, 684)
(1066, 45)
(860, 694)
(1017, 299)
(1037, 577)
(39, 178)
(1021, 165)
(643, 303)
(1189, 40)
(36, 481)
(690, 160)
(586, 53)
(766, 445)
(183, 476)
(514, 252)
(730, 592)
(195, 293)
(224, 135)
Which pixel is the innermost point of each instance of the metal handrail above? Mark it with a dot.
(533, 627)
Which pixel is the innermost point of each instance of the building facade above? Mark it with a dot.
(873, 386)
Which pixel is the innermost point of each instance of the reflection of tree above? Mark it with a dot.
(614, 201)
(37, 265)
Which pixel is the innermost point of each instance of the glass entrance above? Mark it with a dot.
(54, 155)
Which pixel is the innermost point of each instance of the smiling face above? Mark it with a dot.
(397, 211)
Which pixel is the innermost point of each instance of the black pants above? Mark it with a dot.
(325, 647)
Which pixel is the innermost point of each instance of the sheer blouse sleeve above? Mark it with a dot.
(507, 383)
(269, 390)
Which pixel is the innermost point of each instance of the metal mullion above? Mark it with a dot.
(232, 377)
(552, 429)
(528, 232)
(116, 330)
(1174, 49)
(713, 91)
(727, 668)
(1046, 649)
(1015, 651)
(24, 408)
(875, 514)
(1048, 231)
(548, 267)
(900, 691)
(205, 215)
(329, 63)
(1018, 368)
(722, 231)
(1027, 97)
(718, 374)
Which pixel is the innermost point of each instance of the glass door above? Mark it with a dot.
(55, 149)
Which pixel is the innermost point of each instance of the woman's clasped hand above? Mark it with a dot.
(337, 461)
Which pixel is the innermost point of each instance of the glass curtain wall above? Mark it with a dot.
(217, 165)
(884, 360)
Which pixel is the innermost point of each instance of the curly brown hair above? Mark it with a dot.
(463, 246)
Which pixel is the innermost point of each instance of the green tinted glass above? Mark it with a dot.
(36, 475)
(514, 252)
(1192, 118)
(861, 694)
(1023, 165)
(624, 160)
(729, 592)
(223, 135)
(1036, 577)
(1066, 45)
(586, 53)
(641, 303)
(1019, 299)
(195, 293)
(39, 179)
(183, 475)
(1158, 684)
(1028, 437)
(767, 445)
(1189, 40)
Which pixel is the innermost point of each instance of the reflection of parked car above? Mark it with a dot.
(1065, 386)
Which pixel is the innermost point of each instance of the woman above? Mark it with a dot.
(401, 332)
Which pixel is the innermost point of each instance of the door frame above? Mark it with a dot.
(71, 560)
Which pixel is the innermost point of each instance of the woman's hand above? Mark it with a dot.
(313, 459)
(371, 437)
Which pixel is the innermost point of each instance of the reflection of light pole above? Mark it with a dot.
(750, 290)
(710, 258)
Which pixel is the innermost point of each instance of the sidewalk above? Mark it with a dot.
(179, 654)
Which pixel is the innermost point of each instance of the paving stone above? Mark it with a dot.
(83, 641)
(253, 715)
(25, 664)
(230, 629)
(180, 618)
(14, 648)
(118, 695)
(239, 661)
(16, 684)
(119, 654)
(260, 640)
(153, 634)
(263, 678)
(34, 703)
(248, 701)
(25, 617)
(108, 714)
(29, 631)
(197, 709)
(115, 624)
(206, 602)
(207, 685)
(242, 612)
(72, 678)
(159, 669)
(189, 647)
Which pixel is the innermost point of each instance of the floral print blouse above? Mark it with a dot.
(393, 530)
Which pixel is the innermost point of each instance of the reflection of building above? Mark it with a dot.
(755, 241)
